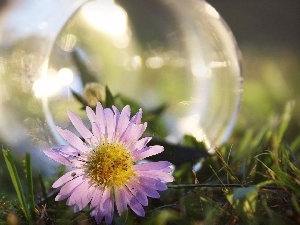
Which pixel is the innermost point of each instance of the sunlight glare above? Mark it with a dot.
(190, 125)
(51, 85)
(107, 17)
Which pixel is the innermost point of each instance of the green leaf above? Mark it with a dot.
(79, 98)
(244, 202)
(178, 154)
(128, 101)
(190, 140)
(109, 98)
(152, 116)
(87, 74)
(194, 206)
(16, 182)
(28, 168)
(244, 192)
(198, 206)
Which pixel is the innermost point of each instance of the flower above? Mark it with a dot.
(93, 93)
(104, 170)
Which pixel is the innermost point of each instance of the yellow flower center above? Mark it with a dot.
(110, 165)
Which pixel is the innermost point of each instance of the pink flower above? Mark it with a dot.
(104, 170)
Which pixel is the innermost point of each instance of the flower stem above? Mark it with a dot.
(179, 186)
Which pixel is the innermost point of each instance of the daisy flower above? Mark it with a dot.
(104, 170)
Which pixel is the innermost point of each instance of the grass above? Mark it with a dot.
(255, 181)
(252, 179)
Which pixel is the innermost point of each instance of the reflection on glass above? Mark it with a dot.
(48, 86)
(170, 52)
(106, 17)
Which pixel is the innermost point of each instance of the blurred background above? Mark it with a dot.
(268, 36)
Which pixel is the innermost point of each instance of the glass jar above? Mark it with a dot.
(174, 53)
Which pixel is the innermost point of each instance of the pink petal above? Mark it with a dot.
(152, 150)
(140, 144)
(75, 157)
(90, 114)
(100, 119)
(67, 177)
(120, 200)
(98, 215)
(137, 193)
(66, 150)
(137, 118)
(152, 183)
(150, 192)
(97, 134)
(80, 127)
(133, 133)
(116, 111)
(57, 157)
(117, 114)
(60, 197)
(109, 211)
(102, 204)
(152, 165)
(165, 177)
(69, 187)
(71, 153)
(77, 193)
(116, 121)
(110, 124)
(95, 128)
(123, 121)
(73, 139)
(139, 132)
(167, 170)
(91, 192)
(97, 197)
(105, 199)
(85, 198)
(133, 203)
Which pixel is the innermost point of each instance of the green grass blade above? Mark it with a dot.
(16, 181)
(44, 192)
(28, 167)
(285, 120)
(295, 203)
(109, 98)
(295, 145)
